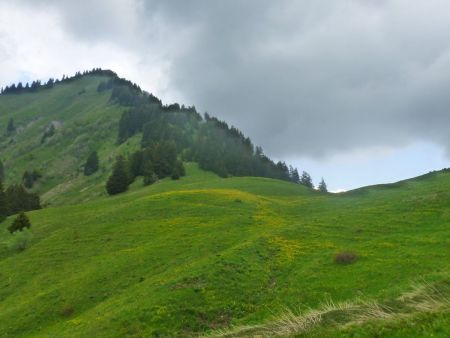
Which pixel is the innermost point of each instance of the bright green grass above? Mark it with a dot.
(188, 257)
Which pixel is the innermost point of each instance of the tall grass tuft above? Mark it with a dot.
(424, 297)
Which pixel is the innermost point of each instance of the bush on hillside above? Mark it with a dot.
(67, 311)
(10, 128)
(19, 240)
(30, 177)
(345, 258)
(49, 132)
(20, 223)
(3, 202)
(2, 170)
(18, 199)
(91, 165)
(150, 179)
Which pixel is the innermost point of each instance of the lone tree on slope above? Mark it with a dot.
(2, 171)
(11, 128)
(91, 165)
(20, 223)
(118, 181)
(322, 186)
(3, 205)
(306, 180)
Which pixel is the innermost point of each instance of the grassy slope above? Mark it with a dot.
(86, 122)
(202, 253)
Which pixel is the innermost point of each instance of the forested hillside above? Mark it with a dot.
(51, 131)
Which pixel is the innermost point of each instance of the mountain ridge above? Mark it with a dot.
(84, 112)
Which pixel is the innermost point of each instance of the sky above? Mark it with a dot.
(355, 91)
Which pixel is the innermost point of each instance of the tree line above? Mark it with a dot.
(36, 85)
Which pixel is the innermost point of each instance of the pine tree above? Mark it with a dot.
(18, 199)
(10, 128)
(306, 180)
(3, 205)
(295, 177)
(20, 223)
(176, 174)
(91, 165)
(136, 163)
(30, 177)
(2, 171)
(118, 181)
(322, 186)
(27, 179)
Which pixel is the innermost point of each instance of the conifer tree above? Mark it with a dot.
(322, 186)
(295, 177)
(150, 176)
(21, 222)
(10, 128)
(27, 180)
(176, 173)
(91, 165)
(18, 199)
(30, 177)
(118, 181)
(2, 171)
(306, 180)
(3, 205)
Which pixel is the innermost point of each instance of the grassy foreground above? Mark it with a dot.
(234, 257)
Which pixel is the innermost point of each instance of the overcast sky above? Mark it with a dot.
(356, 91)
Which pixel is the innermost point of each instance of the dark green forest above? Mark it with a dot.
(210, 142)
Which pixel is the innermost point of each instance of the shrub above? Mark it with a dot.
(20, 223)
(91, 165)
(21, 200)
(150, 179)
(175, 174)
(20, 240)
(67, 311)
(49, 132)
(30, 177)
(345, 258)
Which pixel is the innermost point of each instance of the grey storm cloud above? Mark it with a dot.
(301, 78)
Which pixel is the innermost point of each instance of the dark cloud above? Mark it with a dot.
(300, 77)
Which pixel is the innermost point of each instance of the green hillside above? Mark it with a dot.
(85, 120)
(205, 255)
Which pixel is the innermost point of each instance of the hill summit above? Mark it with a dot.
(52, 128)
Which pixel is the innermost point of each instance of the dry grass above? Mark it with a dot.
(427, 297)
(424, 297)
